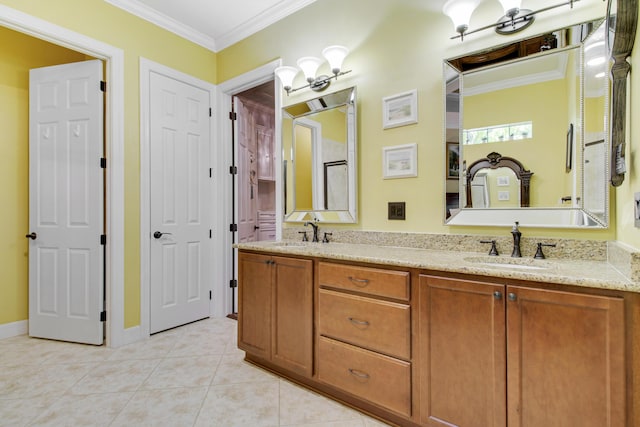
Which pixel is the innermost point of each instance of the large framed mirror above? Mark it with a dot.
(319, 141)
(543, 104)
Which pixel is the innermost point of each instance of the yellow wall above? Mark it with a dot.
(20, 53)
(395, 46)
(137, 38)
(302, 165)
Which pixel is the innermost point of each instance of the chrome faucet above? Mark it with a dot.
(315, 230)
(516, 241)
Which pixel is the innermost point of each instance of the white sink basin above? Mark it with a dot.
(509, 263)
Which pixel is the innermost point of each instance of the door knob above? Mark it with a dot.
(32, 236)
(159, 234)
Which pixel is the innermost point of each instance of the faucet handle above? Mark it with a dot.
(304, 236)
(325, 239)
(493, 251)
(539, 254)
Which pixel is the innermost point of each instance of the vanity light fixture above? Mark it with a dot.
(515, 18)
(309, 65)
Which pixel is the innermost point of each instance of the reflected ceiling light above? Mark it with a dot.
(600, 75)
(309, 65)
(515, 18)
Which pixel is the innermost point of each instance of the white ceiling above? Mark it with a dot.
(213, 24)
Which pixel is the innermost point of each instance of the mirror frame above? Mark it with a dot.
(555, 217)
(622, 24)
(348, 216)
(494, 161)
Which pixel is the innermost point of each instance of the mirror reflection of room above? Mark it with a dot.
(547, 110)
(319, 158)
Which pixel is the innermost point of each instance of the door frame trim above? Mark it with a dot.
(146, 68)
(226, 91)
(114, 137)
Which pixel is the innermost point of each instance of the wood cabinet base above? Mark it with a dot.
(333, 393)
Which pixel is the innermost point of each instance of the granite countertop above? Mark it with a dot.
(592, 274)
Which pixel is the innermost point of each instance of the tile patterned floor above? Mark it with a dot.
(189, 376)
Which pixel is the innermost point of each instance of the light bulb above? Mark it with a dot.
(510, 7)
(335, 55)
(309, 65)
(460, 13)
(286, 76)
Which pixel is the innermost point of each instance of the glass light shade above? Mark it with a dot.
(509, 5)
(309, 65)
(460, 12)
(335, 55)
(286, 76)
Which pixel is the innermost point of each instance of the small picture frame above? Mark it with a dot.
(400, 109)
(400, 161)
(453, 160)
(503, 196)
(502, 181)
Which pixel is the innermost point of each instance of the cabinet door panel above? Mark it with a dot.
(462, 342)
(254, 304)
(566, 359)
(293, 314)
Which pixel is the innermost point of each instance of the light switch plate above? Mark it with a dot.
(397, 210)
(636, 209)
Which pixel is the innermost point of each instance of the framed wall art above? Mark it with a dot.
(400, 161)
(400, 109)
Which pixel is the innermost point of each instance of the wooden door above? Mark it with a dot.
(566, 359)
(254, 304)
(292, 342)
(66, 203)
(462, 342)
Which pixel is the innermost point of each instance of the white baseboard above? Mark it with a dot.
(9, 330)
(132, 335)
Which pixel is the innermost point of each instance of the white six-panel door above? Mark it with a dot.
(66, 203)
(179, 206)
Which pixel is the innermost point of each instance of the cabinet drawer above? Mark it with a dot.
(374, 281)
(377, 325)
(382, 380)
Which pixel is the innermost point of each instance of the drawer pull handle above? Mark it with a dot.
(359, 282)
(358, 322)
(359, 374)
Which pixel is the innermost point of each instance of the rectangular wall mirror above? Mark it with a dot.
(319, 154)
(541, 106)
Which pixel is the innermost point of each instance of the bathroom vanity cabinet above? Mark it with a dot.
(275, 320)
(418, 347)
(499, 355)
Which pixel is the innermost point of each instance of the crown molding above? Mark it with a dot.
(261, 21)
(247, 28)
(149, 14)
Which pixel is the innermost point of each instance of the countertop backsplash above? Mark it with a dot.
(623, 258)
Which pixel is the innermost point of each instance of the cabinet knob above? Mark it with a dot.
(497, 295)
(512, 296)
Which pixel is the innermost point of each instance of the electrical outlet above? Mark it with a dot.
(636, 209)
(397, 210)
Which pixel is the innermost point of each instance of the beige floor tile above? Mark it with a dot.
(90, 410)
(299, 406)
(173, 407)
(234, 370)
(20, 412)
(199, 344)
(40, 380)
(115, 376)
(156, 347)
(238, 405)
(183, 372)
